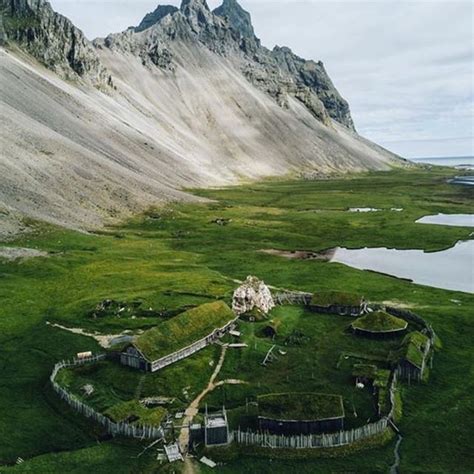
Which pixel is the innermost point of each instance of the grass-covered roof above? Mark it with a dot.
(379, 322)
(184, 329)
(380, 377)
(335, 298)
(413, 347)
(132, 409)
(300, 406)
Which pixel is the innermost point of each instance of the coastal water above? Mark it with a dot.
(451, 269)
(466, 162)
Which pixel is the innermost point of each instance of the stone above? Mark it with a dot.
(253, 293)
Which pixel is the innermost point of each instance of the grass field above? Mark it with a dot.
(178, 257)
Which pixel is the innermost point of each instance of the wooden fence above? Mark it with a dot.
(192, 348)
(115, 429)
(311, 441)
(292, 297)
(325, 440)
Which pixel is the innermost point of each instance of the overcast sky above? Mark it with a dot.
(406, 67)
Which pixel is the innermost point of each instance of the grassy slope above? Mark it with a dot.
(184, 252)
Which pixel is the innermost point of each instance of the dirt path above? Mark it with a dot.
(193, 409)
(104, 340)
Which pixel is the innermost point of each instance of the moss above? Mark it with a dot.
(335, 298)
(134, 411)
(413, 347)
(300, 406)
(184, 329)
(379, 321)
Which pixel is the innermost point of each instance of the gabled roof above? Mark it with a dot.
(335, 298)
(413, 348)
(184, 329)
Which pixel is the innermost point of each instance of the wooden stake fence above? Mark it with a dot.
(313, 441)
(115, 429)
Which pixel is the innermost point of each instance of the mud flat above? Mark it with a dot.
(324, 255)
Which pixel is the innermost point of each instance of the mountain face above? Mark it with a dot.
(52, 39)
(190, 97)
(238, 18)
(154, 17)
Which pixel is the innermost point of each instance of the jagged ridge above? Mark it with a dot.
(197, 101)
(52, 39)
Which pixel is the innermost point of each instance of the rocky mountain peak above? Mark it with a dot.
(155, 16)
(238, 18)
(197, 13)
(52, 39)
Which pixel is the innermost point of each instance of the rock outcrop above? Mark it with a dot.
(253, 293)
(52, 39)
(238, 18)
(155, 16)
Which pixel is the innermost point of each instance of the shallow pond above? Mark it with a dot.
(459, 220)
(451, 269)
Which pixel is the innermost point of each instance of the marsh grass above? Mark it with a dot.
(182, 258)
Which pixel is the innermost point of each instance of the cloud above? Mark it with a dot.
(406, 67)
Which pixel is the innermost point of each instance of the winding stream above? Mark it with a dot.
(394, 468)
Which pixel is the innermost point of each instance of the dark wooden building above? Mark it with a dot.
(335, 302)
(300, 413)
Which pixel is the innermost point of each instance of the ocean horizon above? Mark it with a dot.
(446, 160)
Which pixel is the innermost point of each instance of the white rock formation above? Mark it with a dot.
(253, 293)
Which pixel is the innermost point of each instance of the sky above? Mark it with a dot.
(406, 67)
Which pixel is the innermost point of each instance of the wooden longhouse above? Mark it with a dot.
(335, 302)
(300, 413)
(179, 337)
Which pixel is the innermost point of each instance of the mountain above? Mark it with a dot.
(97, 130)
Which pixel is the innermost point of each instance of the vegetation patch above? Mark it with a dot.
(133, 411)
(184, 329)
(413, 348)
(379, 322)
(335, 298)
(300, 406)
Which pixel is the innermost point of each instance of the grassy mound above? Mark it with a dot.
(379, 322)
(300, 406)
(184, 329)
(335, 298)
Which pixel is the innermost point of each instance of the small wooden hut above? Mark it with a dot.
(413, 356)
(216, 429)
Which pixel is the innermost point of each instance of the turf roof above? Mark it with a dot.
(300, 406)
(184, 329)
(412, 348)
(331, 298)
(379, 321)
(132, 408)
